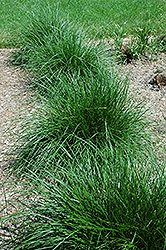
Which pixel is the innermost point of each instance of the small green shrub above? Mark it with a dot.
(98, 110)
(97, 202)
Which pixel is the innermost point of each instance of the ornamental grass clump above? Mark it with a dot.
(50, 45)
(98, 110)
(96, 201)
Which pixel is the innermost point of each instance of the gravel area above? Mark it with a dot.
(14, 96)
(13, 99)
(141, 74)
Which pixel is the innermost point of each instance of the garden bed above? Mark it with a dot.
(14, 95)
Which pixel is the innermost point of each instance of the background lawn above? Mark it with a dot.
(100, 16)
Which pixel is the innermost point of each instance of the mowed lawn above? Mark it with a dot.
(99, 16)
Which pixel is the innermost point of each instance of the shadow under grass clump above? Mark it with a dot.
(52, 45)
(96, 110)
(114, 203)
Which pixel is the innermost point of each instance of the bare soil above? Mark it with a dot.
(14, 96)
(13, 99)
(141, 74)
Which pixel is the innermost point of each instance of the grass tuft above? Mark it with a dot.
(51, 45)
(100, 201)
(97, 110)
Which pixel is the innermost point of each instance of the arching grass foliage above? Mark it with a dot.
(51, 45)
(96, 201)
(95, 109)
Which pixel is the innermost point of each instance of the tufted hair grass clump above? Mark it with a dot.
(96, 110)
(96, 201)
(51, 45)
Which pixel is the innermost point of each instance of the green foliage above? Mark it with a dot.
(94, 14)
(100, 201)
(50, 44)
(92, 181)
(95, 109)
